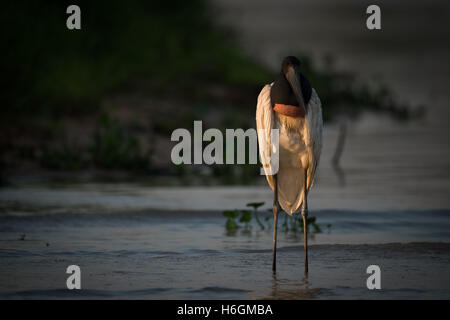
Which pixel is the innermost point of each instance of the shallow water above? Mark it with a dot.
(190, 255)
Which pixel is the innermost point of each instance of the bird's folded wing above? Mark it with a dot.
(264, 124)
(314, 138)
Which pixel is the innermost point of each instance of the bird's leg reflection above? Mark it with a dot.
(291, 289)
(274, 285)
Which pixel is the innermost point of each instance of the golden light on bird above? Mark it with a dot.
(292, 106)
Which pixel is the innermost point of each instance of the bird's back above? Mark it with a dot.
(300, 143)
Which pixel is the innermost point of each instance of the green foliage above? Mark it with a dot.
(291, 223)
(148, 46)
(295, 224)
(67, 157)
(232, 224)
(114, 148)
(231, 214)
(255, 206)
(246, 216)
(51, 69)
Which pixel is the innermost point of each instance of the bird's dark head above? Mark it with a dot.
(291, 70)
(289, 62)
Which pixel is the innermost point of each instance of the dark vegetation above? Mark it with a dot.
(242, 221)
(108, 96)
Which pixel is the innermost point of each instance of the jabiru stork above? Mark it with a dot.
(292, 106)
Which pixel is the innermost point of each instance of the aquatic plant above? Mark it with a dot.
(295, 224)
(237, 219)
(246, 217)
(232, 224)
(255, 206)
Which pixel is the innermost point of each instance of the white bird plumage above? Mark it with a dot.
(300, 145)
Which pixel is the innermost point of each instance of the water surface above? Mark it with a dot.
(190, 255)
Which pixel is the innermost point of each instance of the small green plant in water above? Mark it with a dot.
(246, 217)
(255, 206)
(237, 219)
(295, 224)
(233, 223)
(231, 216)
(311, 221)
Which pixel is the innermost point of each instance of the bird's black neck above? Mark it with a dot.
(282, 93)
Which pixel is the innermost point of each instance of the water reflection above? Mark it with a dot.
(340, 173)
(283, 288)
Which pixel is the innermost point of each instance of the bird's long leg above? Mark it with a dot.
(275, 223)
(305, 215)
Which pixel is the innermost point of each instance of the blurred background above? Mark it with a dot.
(99, 104)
